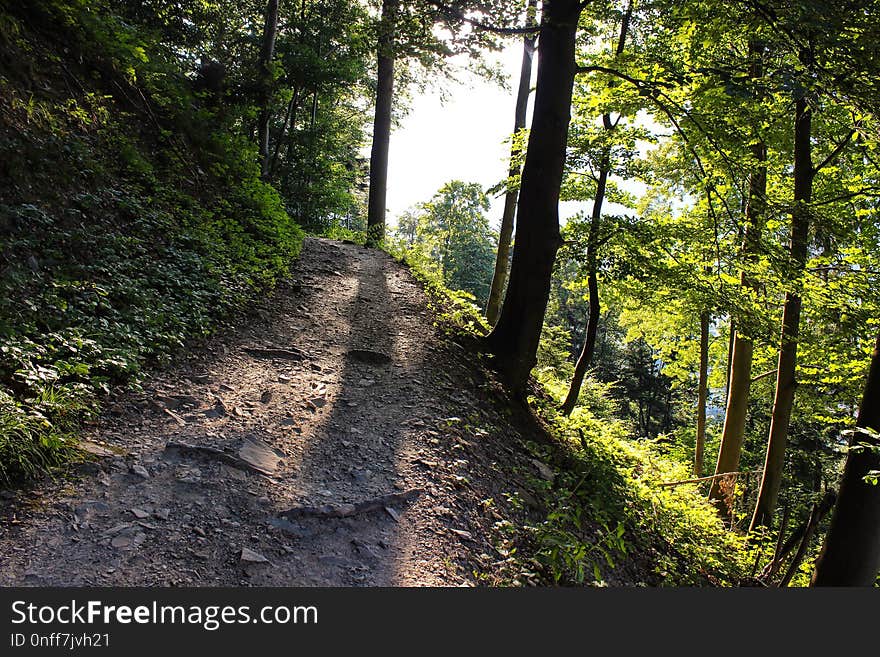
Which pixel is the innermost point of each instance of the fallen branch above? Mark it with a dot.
(349, 510)
(285, 354)
(699, 479)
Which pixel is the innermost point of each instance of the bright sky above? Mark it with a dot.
(461, 139)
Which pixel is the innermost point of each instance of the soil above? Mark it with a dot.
(335, 438)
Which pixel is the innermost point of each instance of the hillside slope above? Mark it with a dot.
(132, 218)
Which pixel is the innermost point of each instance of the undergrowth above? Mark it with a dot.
(606, 519)
(132, 220)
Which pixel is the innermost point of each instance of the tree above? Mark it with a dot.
(721, 490)
(609, 125)
(405, 31)
(382, 123)
(502, 258)
(452, 232)
(851, 553)
(267, 53)
(514, 340)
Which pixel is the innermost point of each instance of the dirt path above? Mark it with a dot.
(379, 409)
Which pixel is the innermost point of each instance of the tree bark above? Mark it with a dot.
(270, 32)
(730, 340)
(502, 258)
(702, 395)
(589, 348)
(791, 317)
(741, 362)
(382, 125)
(288, 124)
(586, 356)
(851, 554)
(514, 340)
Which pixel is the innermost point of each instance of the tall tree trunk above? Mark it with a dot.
(589, 348)
(289, 121)
(851, 554)
(502, 258)
(586, 356)
(270, 32)
(702, 395)
(515, 338)
(730, 340)
(721, 490)
(382, 125)
(791, 317)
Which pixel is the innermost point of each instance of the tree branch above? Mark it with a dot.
(458, 14)
(836, 152)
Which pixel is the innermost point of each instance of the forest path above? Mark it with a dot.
(374, 412)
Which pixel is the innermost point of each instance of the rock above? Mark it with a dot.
(266, 397)
(248, 557)
(94, 448)
(88, 468)
(140, 471)
(218, 410)
(291, 529)
(283, 378)
(116, 529)
(233, 473)
(544, 470)
(162, 514)
(140, 514)
(462, 533)
(394, 514)
(121, 541)
(259, 455)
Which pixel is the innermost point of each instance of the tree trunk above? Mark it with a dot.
(381, 125)
(851, 554)
(514, 340)
(589, 348)
(702, 394)
(288, 124)
(586, 355)
(730, 340)
(270, 32)
(791, 316)
(502, 259)
(721, 491)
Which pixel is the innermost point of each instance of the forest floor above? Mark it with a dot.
(338, 400)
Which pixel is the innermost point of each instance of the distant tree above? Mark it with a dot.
(452, 230)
